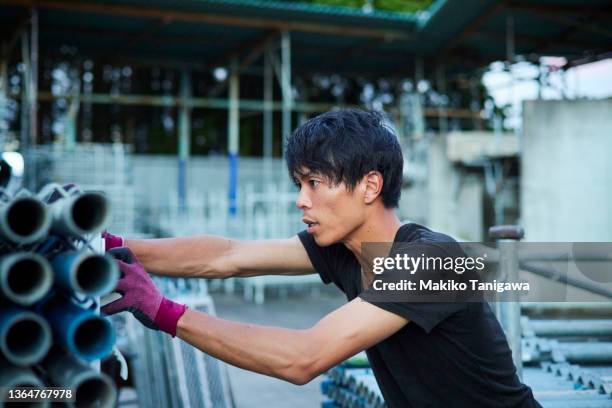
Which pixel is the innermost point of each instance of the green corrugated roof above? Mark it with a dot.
(316, 9)
(461, 34)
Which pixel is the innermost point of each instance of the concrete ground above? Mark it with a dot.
(292, 310)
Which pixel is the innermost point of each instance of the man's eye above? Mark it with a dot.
(313, 183)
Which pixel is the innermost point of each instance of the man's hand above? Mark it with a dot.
(111, 241)
(141, 297)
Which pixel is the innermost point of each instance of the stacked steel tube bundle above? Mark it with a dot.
(51, 279)
(573, 355)
(170, 373)
(352, 385)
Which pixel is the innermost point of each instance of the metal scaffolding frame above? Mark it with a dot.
(275, 48)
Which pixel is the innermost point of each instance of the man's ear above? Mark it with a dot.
(373, 183)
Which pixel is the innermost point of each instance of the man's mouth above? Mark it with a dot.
(310, 223)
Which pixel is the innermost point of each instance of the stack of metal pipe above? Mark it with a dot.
(170, 373)
(352, 385)
(587, 341)
(51, 333)
(571, 344)
(569, 385)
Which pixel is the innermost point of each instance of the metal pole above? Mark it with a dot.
(507, 237)
(70, 122)
(184, 140)
(33, 94)
(302, 116)
(233, 135)
(510, 57)
(476, 102)
(442, 116)
(286, 84)
(510, 51)
(268, 113)
(25, 89)
(3, 88)
(417, 111)
(3, 70)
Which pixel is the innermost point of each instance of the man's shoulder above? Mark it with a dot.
(416, 233)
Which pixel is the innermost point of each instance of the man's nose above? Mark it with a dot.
(303, 201)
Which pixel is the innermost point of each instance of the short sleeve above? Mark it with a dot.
(332, 262)
(317, 256)
(425, 315)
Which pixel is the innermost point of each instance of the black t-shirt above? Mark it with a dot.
(449, 355)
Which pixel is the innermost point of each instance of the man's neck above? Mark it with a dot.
(381, 227)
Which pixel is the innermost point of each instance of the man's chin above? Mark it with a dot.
(321, 241)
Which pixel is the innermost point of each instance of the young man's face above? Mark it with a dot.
(332, 212)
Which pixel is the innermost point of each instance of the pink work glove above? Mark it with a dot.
(141, 297)
(111, 241)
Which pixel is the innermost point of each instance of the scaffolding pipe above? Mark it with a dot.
(91, 388)
(565, 308)
(25, 88)
(510, 311)
(12, 377)
(3, 88)
(268, 92)
(24, 220)
(25, 337)
(578, 283)
(441, 85)
(184, 142)
(25, 277)
(286, 85)
(80, 331)
(80, 215)
(33, 92)
(583, 352)
(233, 135)
(85, 272)
(564, 327)
(417, 111)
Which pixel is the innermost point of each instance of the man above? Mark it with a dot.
(347, 165)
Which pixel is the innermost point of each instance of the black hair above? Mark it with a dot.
(343, 146)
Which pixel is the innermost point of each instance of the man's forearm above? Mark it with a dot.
(200, 256)
(277, 352)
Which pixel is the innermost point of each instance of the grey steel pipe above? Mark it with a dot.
(566, 308)
(86, 272)
(12, 377)
(596, 352)
(578, 283)
(510, 311)
(562, 327)
(25, 277)
(356, 376)
(601, 402)
(25, 337)
(80, 214)
(91, 388)
(24, 220)
(80, 331)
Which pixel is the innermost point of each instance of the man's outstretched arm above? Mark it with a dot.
(209, 256)
(296, 356)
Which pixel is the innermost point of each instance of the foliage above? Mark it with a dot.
(402, 6)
